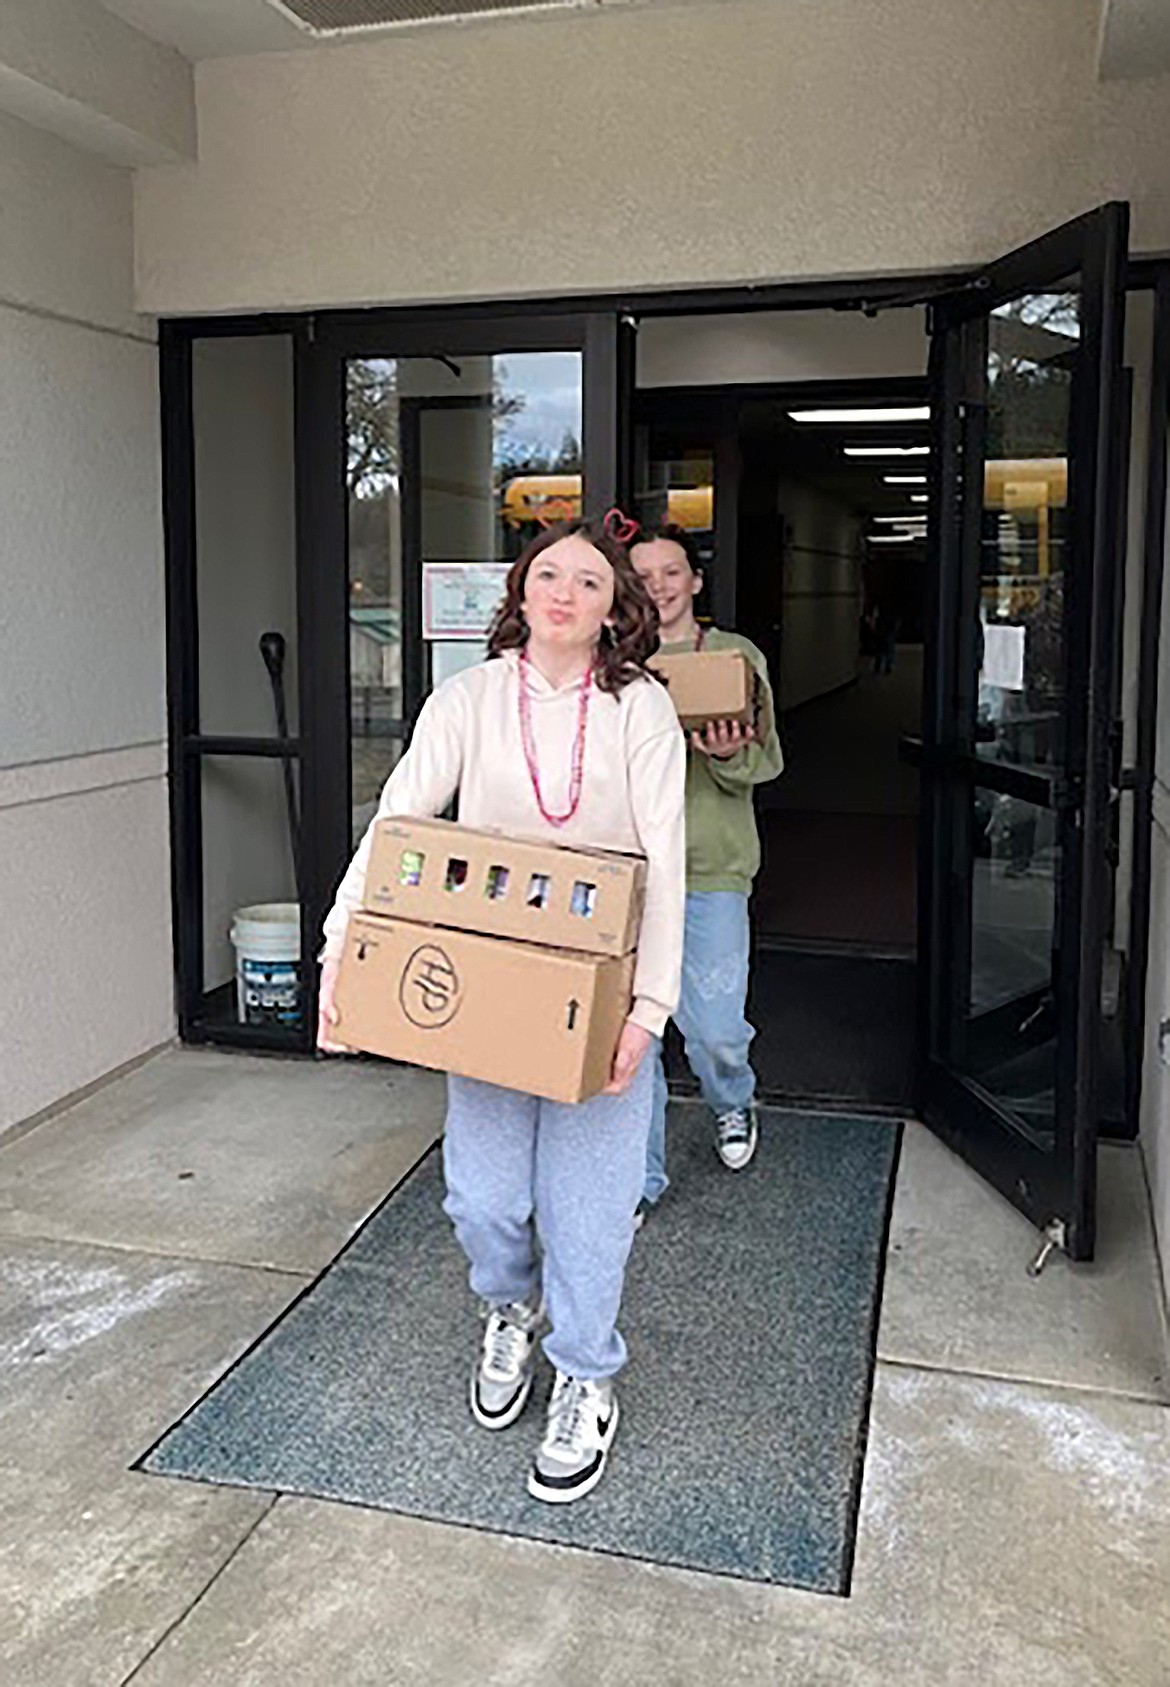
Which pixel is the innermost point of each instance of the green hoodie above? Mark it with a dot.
(723, 846)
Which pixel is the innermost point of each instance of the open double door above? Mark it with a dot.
(1019, 747)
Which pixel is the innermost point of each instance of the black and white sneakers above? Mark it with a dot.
(582, 1422)
(737, 1133)
(501, 1380)
(582, 1415)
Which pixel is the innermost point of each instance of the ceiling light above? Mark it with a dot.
(910, 515)
(904, 479)
(895, 538)
(882, 413)
(887, 450)
(919, 497)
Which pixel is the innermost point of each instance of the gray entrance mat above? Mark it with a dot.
(751, 1312)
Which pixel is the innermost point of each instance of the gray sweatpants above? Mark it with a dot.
(511, 1159)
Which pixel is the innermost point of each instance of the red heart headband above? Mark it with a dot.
(620, 526)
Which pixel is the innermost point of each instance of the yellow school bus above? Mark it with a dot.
(542, 499)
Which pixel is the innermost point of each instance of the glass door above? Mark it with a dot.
(438, 443)
(452, 464)
(1018, 712)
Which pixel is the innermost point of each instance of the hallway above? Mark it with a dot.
(840, 825)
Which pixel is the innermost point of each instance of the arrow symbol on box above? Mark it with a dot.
(574, 1005)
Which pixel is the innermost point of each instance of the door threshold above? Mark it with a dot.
(784, 1101)
(839, 948)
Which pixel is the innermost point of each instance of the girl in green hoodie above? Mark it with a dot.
(724, 764)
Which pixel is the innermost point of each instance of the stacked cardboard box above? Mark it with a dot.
(710, 685)
(493, 957)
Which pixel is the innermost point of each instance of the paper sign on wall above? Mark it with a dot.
(1003, 657)
(460, 598)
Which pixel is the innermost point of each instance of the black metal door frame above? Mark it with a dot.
(604, 324)
(1054, 1186)
(188, 745)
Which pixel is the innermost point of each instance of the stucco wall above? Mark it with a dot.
(85, 967)
(1155, 1124)
(804, 345)
(728, 141)
(242, 401)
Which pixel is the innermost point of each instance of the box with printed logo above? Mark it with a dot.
(530, 1018)
(438, 873)
(710, 685)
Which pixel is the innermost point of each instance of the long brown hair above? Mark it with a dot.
(625, 647)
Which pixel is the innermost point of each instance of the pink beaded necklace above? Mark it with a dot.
(577, 771)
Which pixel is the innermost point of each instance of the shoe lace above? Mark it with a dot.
(734, 1126)
(506, 1340)
(571, 1401)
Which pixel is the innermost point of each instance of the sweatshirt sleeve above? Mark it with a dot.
(422, 785)
(761, 760)
(657, 774)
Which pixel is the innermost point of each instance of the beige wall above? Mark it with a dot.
(71, 67)
(85, 967)
(1155, 1123)
(812, 345)
(242, 399)
(727, 141)
(821, 594)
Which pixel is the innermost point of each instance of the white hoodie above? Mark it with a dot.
(632, 796)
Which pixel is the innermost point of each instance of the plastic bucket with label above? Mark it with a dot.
(267, 941)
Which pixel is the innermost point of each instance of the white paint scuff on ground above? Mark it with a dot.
(1123, 1472)
(74, 1305)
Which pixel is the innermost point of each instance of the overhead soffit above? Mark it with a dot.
(347, 17)
(210, 29)
(1135, 39)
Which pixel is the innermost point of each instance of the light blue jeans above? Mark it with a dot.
(710, 1015)
(518, 1168)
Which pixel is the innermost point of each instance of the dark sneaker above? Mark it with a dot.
(736, 1135)
(641, 1214)
(582, 1422)
(502, 1378)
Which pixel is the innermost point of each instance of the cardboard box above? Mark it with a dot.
(545, 1021)
(707, 685)
(441, 874)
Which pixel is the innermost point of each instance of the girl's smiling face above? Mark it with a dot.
(668, 577)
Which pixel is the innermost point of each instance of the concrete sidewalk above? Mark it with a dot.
(1015, 1519)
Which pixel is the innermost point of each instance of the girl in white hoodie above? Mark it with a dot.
(563, 735)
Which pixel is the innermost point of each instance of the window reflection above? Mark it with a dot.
(1032, 346)
(453, 463)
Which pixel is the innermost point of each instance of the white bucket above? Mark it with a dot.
(267, 941)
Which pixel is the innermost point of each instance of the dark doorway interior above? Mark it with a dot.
(812, 561)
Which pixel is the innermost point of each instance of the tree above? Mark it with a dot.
(1032, 352)
(523, 460)
(371, 402)
(371, 395)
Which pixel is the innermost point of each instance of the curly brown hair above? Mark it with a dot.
(625, 647)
